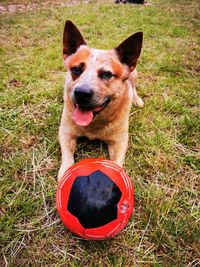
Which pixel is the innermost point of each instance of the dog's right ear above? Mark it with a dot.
(72, 39)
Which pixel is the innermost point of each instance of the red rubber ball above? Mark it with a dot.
(95, 198)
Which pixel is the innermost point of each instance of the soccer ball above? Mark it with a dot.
(95, 198)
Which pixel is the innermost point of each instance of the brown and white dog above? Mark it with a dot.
(99, 91)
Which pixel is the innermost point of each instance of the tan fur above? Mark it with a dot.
(111, 124)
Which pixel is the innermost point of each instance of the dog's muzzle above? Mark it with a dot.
(85, 108)
(83, 96)
(102, 106)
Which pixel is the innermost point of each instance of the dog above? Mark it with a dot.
(98, 94)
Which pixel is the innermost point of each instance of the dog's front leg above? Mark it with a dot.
(117, 150)
(68, 145)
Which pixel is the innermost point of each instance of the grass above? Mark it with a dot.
(163, 158)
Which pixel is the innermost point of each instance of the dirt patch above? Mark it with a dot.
(10, 8)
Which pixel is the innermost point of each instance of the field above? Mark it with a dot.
(163, 158)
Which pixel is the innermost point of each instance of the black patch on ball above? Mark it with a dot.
(93, 200)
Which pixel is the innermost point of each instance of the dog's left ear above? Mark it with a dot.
(129, 50)
(72, 39)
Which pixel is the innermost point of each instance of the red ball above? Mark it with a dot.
(95, 198)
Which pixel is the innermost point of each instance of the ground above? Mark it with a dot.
(163, 158)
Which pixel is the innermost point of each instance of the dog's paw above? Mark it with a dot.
(138, 102)
(62, 170)
(60, 174)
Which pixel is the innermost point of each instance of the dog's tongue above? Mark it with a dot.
(82, 118)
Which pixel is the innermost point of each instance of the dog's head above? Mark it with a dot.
(96, 77)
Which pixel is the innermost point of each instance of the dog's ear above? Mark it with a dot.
(129, 50)
(72, 39)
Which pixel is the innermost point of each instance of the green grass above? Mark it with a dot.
(163, 158)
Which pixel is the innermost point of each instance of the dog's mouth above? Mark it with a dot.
(83, 115)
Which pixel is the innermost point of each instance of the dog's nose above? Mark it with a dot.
(83, 94)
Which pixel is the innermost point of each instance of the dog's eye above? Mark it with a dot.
(76, 70)
(105, 75)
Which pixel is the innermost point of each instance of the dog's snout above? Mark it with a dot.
(83, 94)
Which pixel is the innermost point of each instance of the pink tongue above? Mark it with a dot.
(82, 118)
